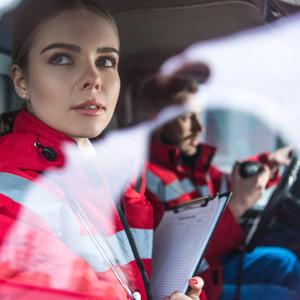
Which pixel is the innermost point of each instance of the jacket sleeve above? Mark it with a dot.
(158, 207)
(136, 204)
(153, 189)
(139, 214)
(228, 235)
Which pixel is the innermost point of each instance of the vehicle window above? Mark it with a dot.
(6, 86)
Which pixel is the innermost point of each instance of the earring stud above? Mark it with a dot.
(24, 95)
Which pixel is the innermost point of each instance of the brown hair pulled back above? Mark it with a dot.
(30, 16)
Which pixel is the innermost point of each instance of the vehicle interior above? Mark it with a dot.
(151, 32)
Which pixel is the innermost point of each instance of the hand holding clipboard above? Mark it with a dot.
(181, 240)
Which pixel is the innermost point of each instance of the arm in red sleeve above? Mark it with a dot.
(227, 236)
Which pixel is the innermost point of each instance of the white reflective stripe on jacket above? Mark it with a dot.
(65, 225)
(176, 189)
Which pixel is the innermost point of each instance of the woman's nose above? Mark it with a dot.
(89, 80)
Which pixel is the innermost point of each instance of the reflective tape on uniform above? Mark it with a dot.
(171, 191)
(154, 184)
(144, 241)
(203, 190)
(65, 225)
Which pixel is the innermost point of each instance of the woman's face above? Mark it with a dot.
(72, 79)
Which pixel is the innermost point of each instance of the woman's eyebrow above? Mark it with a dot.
(78, 49)
(62, 46)
(107, 50)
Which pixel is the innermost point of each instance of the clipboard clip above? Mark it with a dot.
(203, 201)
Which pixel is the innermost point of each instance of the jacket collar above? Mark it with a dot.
(169, 157)
(18, 149)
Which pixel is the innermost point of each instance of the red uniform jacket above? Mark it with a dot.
(45, 251)
(170, 182)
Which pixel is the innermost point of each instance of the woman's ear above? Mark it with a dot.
(18, 77)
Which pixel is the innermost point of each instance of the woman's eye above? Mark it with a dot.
(61, 60)
(106, 62)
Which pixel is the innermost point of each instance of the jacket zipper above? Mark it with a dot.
(135, 253)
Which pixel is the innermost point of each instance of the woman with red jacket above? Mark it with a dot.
(61, 234)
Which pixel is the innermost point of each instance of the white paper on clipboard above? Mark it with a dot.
(180, 242)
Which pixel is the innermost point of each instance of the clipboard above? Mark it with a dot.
(181, 240)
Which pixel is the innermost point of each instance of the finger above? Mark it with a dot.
(236, 168)
(177, 296)
(196, 283)
(261, 180)
(265, 172)
(287, 158)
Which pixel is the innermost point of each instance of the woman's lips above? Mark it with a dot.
(89, 108)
